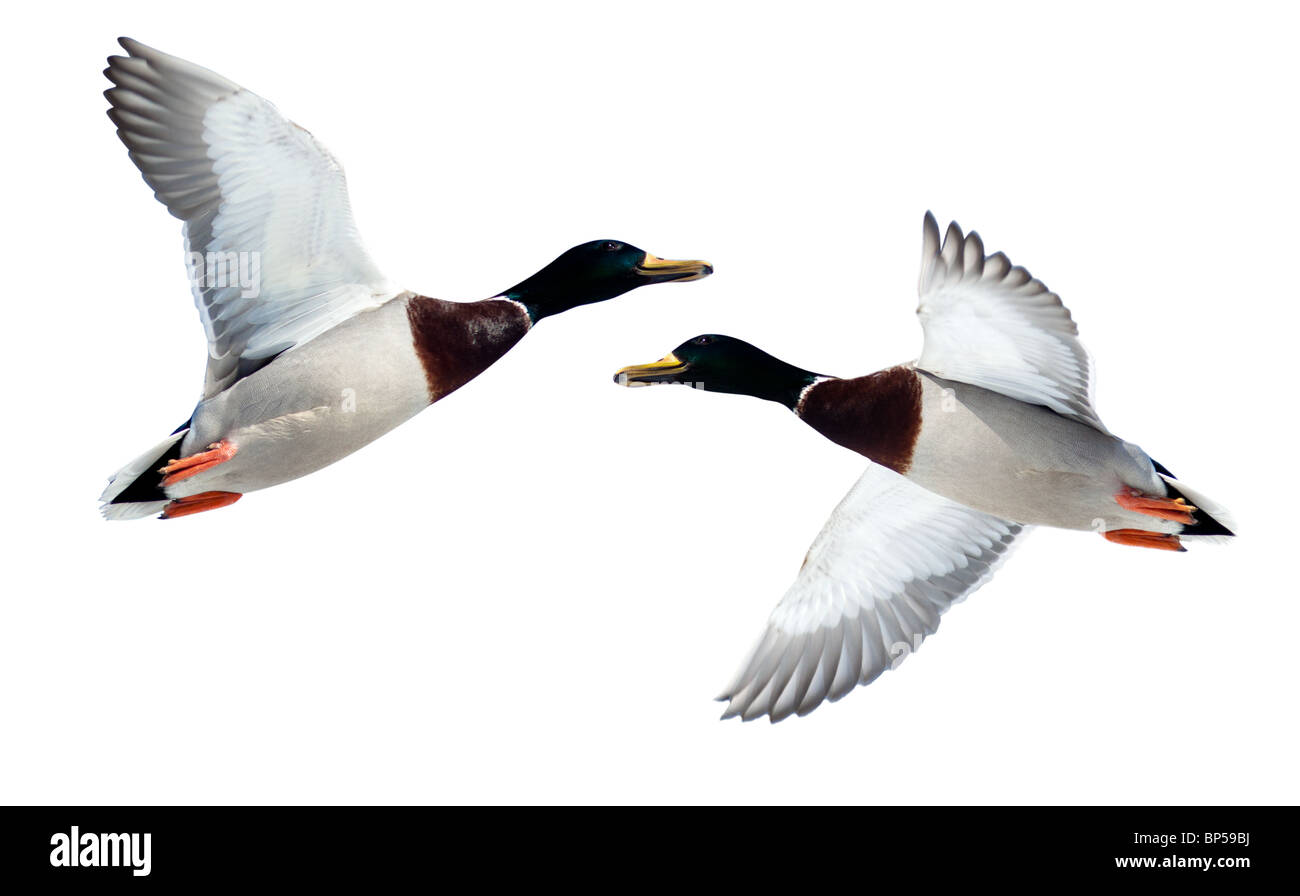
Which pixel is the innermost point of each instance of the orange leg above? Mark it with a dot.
(1175, 509)
(185, 467)
(1140, 538)
(198, 503)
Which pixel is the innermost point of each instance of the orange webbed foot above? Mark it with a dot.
(1140, 538)
(185, 467)
(198, 503)
(1175, 509)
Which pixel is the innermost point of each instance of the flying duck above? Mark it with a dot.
(312, 353)
(991, 431)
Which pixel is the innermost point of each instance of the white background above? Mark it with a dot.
(532, 591)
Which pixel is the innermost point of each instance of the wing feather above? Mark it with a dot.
(251, 186)
(892, 558)
(991, 324)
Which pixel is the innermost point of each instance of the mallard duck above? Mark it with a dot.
(991, 431)
(312, 353)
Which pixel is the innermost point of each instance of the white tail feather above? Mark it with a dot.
(122, 479)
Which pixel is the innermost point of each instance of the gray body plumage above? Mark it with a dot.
(312, 405)
(1026, 463)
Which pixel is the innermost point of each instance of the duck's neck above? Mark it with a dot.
(783, 383)
(456, 341)
(543, 295)
(771, 380)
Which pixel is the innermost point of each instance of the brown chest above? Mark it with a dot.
(878, 416)
(456, 341)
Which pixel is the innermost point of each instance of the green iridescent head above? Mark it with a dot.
(717, 363)
(594, 272)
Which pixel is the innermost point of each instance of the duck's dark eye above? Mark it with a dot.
(703, 340)
(611, 247)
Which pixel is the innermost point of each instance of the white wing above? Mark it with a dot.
(892, 558)
(245, 180)
(993, 325)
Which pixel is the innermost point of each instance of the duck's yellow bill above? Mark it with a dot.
(663, 269)
(665, 370)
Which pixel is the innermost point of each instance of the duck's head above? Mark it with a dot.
(594, 272)
(723, 364)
